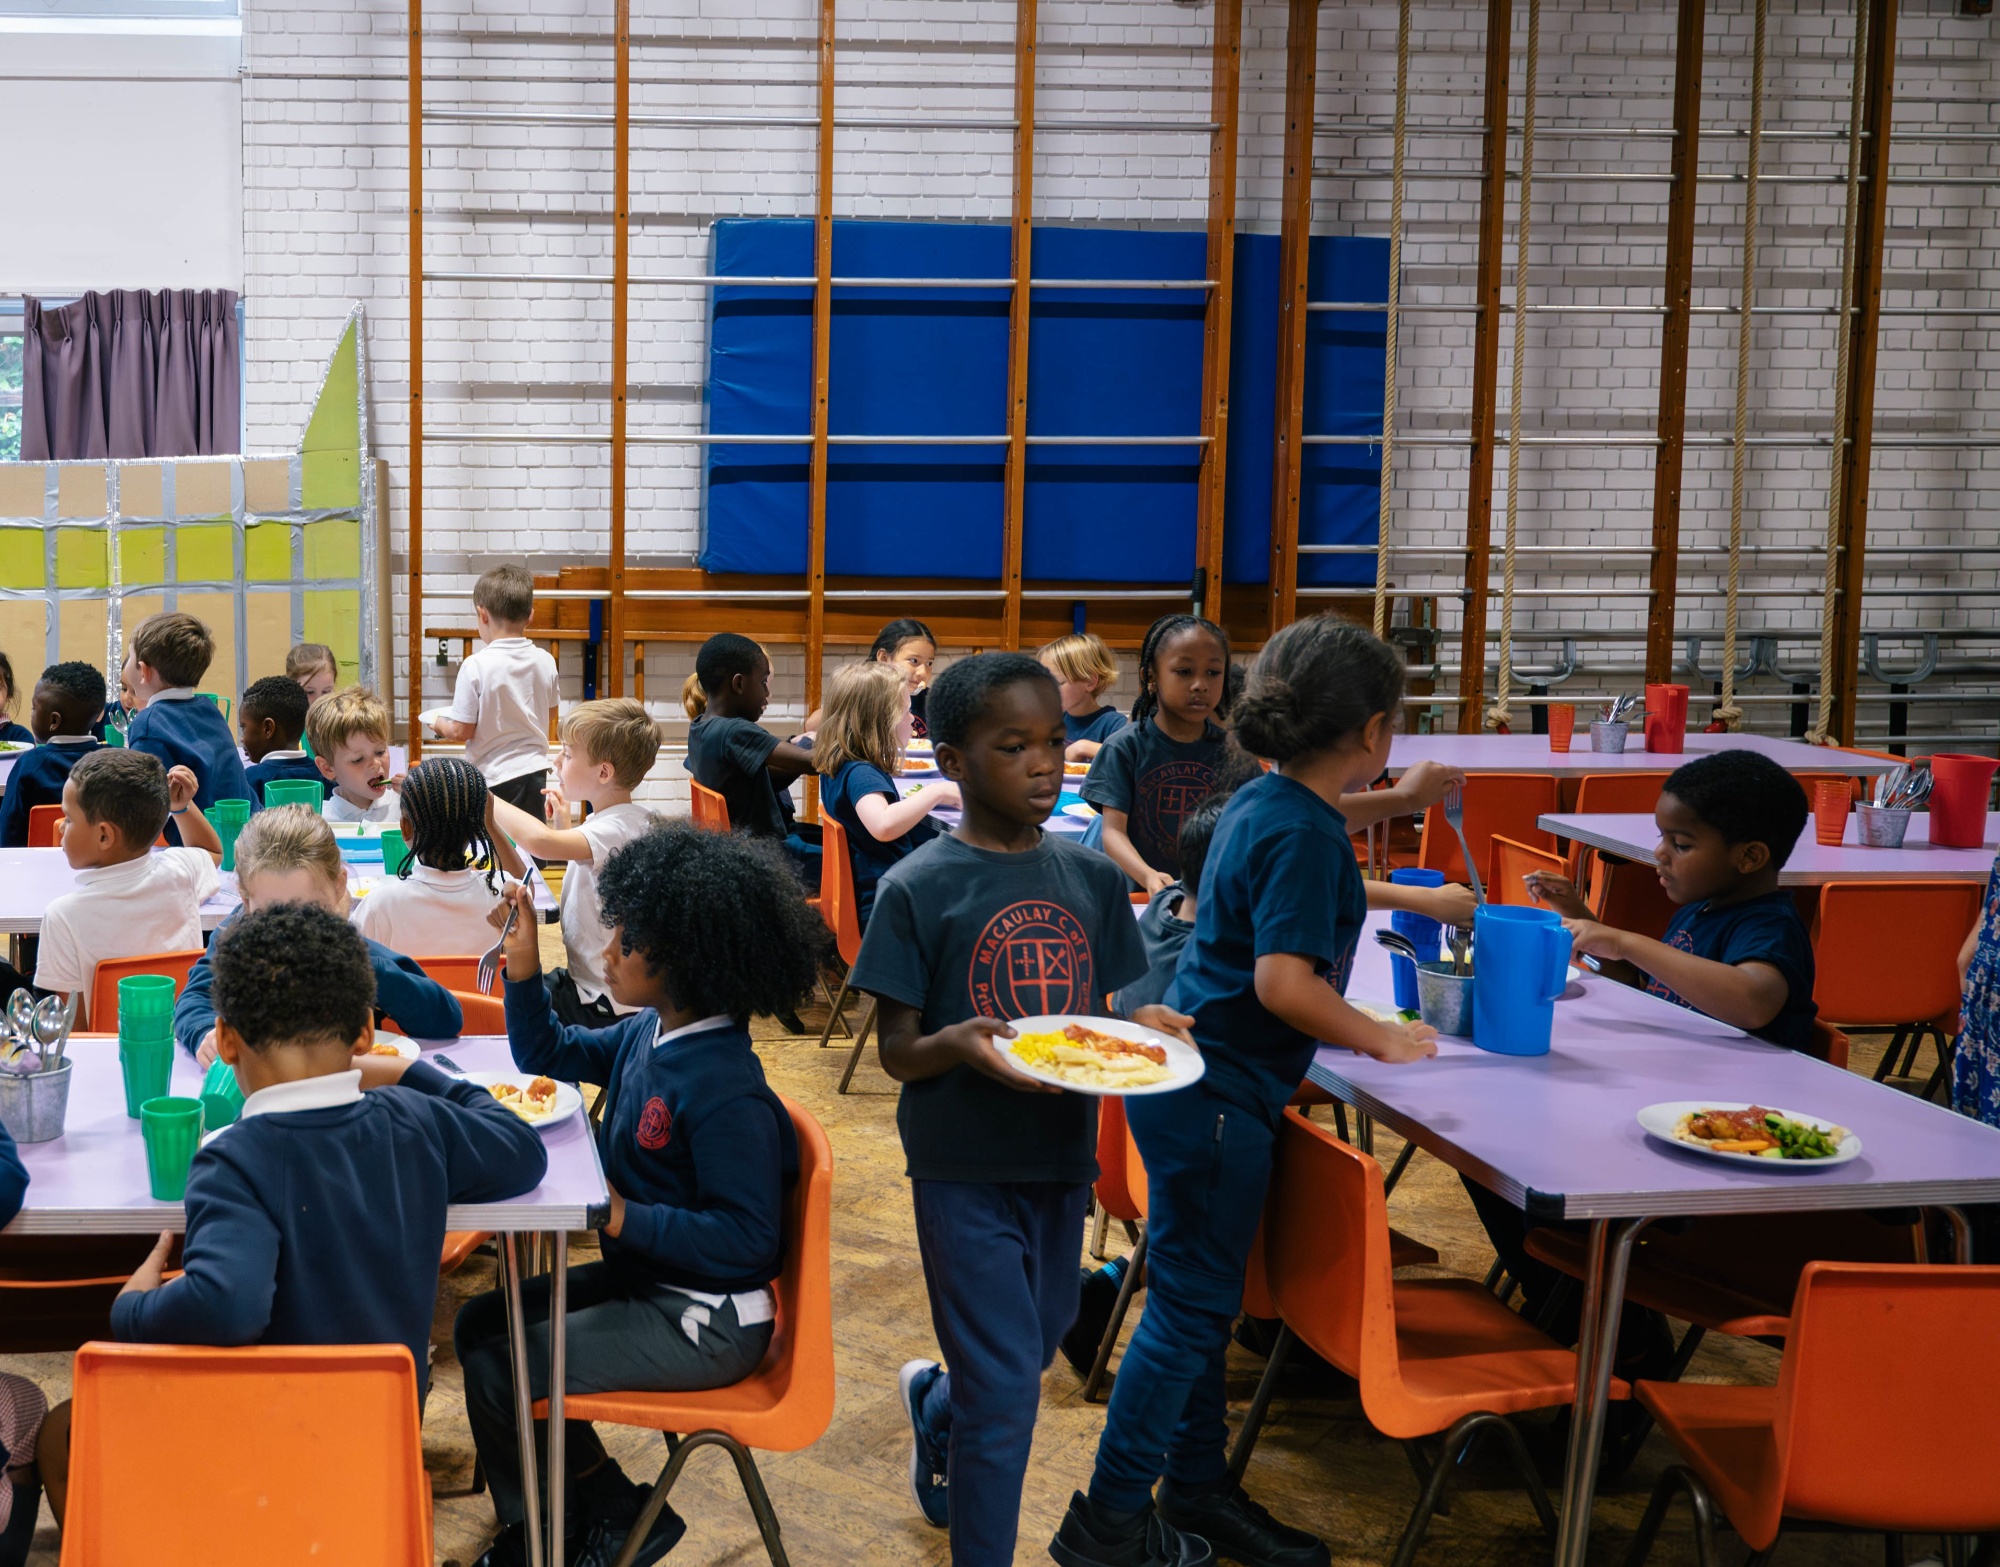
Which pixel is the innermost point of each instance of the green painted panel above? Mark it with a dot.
(335, 425)
(82, 558)
(333, 549)
(142, 557)
(23, 563)
(205, 554)
(333, 616)
(330, 479)
(267, 552)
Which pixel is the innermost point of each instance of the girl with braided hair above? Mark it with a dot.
(438, 902)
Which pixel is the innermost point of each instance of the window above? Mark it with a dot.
(70, 10)
(10, 389)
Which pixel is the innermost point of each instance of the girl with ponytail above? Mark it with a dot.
(438, 902)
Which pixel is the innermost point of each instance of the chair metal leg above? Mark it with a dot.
(1127, 1288)
(1396, 1170)
(1676, 1478)
(1494, 1275)
(1432, 1497)
(1530, 1477)
(753, 1491)
(1422, 1468)
(1886, 1065)
(1892, 1551)
(1340, 1122)
(827, 990)
(1100, 1227)
(1260, 1405)
(860, 1044)
(1131, 1232)
(833, 1013)
(1763, 1558)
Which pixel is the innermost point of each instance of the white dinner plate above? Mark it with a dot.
(1184, 1061)
(1660, 1120)
(406, 1048)
(569, 1102)
(1082, 810)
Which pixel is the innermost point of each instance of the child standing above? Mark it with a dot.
(68, 701)
(314, 667)
(506, 690)
(128, 900)
(10, 731)
(169, 653)
(608, 748)
(730, 752)
(1169, 918)
(437, 903)
(1084, 671)
(701, 930)
(998, 920)
(859, 750)
(350, 741)
(1152, 773)
(1281, 910)
(271, 718)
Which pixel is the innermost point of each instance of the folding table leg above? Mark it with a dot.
(1610, 1252)
(558, 1375)
(524, 1403)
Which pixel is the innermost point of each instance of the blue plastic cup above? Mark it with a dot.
(1520, 964)
(1422, 932)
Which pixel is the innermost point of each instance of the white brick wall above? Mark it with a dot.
(325, 141)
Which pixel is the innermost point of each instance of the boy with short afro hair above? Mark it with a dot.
(67, 704)
(505, 691)
(168, 654)
(272, 718)
(350, 741)
(729, 751)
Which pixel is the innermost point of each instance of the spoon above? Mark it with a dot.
(21, 1016)
(50, 1030)
(1401, 945)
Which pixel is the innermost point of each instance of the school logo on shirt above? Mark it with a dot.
(1165, 798)
(1032, 958)
(655, 1125)
(1681, 941)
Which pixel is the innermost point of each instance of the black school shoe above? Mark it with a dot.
(607, 1537)
(1239, 1529)
(510, 1548)
(1088, 1539)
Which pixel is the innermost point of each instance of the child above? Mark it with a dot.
(1151, 774)
(288, 854)
(1084, 670)
(168, 654)
(128, 900)
(437, 902)
(21, 1404)
(608, 748)
(314, 667)
(1281, 910)
(1169, 917)
(271, 718)
(998, 920)
(66, 706)
(350, 741)
(859, 750)
(505, 692)
(10, 732)
(286, 1237)
(701, 930)
(909, 647)
(731, 753)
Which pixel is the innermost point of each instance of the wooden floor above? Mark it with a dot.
(846, 1499)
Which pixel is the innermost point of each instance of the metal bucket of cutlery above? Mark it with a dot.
(33, 1108)
(1609, 738)
(1881, 826)
(1444, 998)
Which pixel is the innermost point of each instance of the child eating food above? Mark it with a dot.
(350, 741)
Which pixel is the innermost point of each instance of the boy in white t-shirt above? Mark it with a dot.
(608, 748)
(128, 900)
(500, 707)
(350, 741)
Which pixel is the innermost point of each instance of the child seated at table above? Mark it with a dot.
(176, 723)
(11, 732)
(437, 903)
(288, 854)
(350, 741)
(21, 1405)
(66, 707)
(314, 667)
(286, 1237)
(1084, 669)
(272, 718)
(608, 748)
(729, 751)
(128, 901)
(702, 930)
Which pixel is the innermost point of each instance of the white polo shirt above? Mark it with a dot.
(151, 904)
(388, 810)
(431, 914)
(582, 914)
(506, 689)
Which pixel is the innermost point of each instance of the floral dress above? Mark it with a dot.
(1975, 1064)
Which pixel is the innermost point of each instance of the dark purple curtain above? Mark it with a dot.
(128, 373)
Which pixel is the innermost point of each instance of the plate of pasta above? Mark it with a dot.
(540, 1101)
(1100, 1055)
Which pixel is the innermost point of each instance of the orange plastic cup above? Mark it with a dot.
(1562, 724)
(1831, 799)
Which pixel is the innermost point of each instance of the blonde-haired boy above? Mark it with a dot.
(608, 748)
(350, 740)
(1084, 669)
(500, 705)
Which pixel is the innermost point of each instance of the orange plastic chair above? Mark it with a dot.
(1509, 862)
(1509, 803)
(1885, 954)
(1113, 1191)
(1622, 793)
(103, 1014)
(787, 1403)
(708, 808)
(42, 820)
(1856, 1433)
(1431, 1355)
(1128, 1190)
(483, 1014)
(455, 973)
(1628, 895)
(289, 1418)
(837, 908)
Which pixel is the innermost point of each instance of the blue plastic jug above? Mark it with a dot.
(1422, 931)
(1520, 964)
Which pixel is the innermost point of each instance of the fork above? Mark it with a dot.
(490, 961)
(1454, 815)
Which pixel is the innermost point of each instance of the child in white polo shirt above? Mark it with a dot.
(438, 902)
(128, 900)
(500, 707)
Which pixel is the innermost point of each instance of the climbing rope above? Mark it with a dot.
(1726, 710)
(1389, 326)
(1823, 718)
(1497, 715)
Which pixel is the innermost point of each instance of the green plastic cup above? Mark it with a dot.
(172, 1130)
(394, 850)
(221, 1097)
(227, 828)
(148, 1066)
(293, 791)
(145, 996)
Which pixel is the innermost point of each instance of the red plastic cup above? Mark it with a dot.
(1832, 798)
(1961, 787)
(1562, 724)
(1666, 719)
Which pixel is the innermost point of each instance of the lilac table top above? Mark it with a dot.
(920, 769)
(92, 1179)
(1812, 864)
(1531, 754)
(1558, 1135)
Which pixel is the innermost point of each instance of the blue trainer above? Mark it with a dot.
(927, 1458)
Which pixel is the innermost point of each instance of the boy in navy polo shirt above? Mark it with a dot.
(996, 921)
(272, 718)
(65, 708)
(167, 655)
(703, 930)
